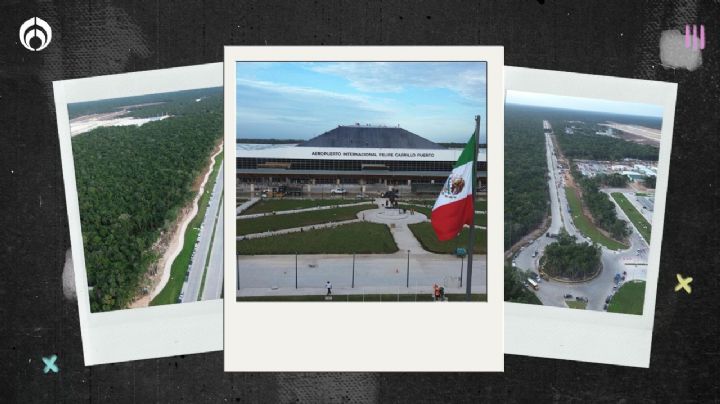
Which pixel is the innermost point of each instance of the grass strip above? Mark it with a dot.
(576, 304)
(279, 205)
(358, 238)
(179, 268)
(207, 259)
(425, 234)
(291, 220)
(583, 224)
(641, 224)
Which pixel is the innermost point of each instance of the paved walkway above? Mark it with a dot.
(246, 205)
(398, 222)
(286, 212)
(296, 229)
(260, 275)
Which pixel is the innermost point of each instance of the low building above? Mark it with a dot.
(359, 158)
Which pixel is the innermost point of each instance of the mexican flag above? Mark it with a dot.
(455, 206)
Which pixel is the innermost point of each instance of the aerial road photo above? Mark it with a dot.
(150, 187)
(580, 183)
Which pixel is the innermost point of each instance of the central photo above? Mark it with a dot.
(361, 181)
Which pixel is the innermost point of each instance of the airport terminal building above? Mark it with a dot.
(358, 158)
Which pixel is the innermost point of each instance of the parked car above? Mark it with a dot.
(338, 191)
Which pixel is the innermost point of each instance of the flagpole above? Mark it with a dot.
(471, 241)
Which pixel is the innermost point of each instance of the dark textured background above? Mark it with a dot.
(618, 38)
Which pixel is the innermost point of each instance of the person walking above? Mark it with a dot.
(436, 292)
(328, 285)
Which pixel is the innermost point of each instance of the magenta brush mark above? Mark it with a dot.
(702, 37)
(687, 35)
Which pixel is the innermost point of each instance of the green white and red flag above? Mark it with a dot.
(455, 206)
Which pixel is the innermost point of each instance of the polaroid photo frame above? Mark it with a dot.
(368, 336)
(138, 333)
(585, 335)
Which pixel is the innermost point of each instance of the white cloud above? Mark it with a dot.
(464, 78)
(357, 101)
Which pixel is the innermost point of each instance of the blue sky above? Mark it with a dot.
(300, 100)
(583, 104)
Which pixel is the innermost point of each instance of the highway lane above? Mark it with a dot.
(614, 262)
(202, 246)
(526, 258)
(214, 276)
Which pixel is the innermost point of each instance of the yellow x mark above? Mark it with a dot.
(683, 283)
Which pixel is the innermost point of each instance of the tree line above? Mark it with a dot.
(132, 182)
(599, 203)
(515, 289)
(526, 189)
(600, 147)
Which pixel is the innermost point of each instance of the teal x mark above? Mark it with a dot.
(50, 364)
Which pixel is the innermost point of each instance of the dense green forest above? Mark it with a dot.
(567, 259)
(526, 190)
(268, 141)
(589, 119)
(600, 205)
(515, 290)
(600, 147)
(649, 181)
(613, 180)
(584, 143)
(131, 183)
(174, 103)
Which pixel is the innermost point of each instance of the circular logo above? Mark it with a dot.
(35, 34)
(453, 186)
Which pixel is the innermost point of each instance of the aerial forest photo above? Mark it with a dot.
(149, 181)
(580, 178)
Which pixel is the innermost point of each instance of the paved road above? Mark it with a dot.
(632, 198)
(275, 274)
(597, 290)
(191, 288)
(214, 276)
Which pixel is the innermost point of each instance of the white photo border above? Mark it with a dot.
(140, 333)
(592, 336)
(307, 336)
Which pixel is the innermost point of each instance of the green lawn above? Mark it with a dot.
(360, 238)
(583, 224)
(575, 304)
(290, 220)
(636, 217)
(278, 205)
(629, 298)
(425, 234)
(171, 291)
(424, 297)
